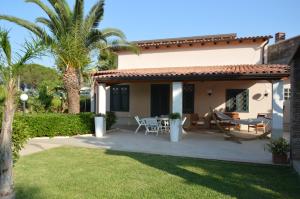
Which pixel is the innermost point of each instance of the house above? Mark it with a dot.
(287, 51)
(190, 75)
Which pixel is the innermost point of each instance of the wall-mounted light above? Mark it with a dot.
(209, 92)
(267, 92)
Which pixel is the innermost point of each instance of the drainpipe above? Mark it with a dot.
(263, 51)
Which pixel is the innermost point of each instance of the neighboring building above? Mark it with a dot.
(288, 52)
(189, 75)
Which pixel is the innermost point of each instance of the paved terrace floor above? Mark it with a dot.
(207, 144)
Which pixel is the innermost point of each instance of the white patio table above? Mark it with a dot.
(163, 123)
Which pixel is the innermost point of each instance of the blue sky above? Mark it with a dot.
(150, 19)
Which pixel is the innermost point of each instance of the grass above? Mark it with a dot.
(92, 173)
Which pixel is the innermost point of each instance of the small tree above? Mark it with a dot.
(10, 67)
(71, 36)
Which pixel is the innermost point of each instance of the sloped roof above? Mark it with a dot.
(197, 39)
(227, 72)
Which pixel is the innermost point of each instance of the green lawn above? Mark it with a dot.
(92, 173)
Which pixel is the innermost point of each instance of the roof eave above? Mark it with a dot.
(216, 77)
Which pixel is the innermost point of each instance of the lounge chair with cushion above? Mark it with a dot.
(264, 125)
(228, 121)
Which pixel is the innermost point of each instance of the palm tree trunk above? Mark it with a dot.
(6, 163)
(72, 84)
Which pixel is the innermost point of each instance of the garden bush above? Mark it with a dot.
(54, 124)
(110, 120)
(19, 137)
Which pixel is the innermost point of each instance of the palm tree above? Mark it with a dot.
(71, 37)
(108, 58)
(10, 68)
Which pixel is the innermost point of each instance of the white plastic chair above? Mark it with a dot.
(151, 125)
(182, 123)
(140, 123)
(164, 125)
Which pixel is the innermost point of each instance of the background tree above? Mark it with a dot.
(41, 83)
(71, 36)
(10, 68)
(35, 76)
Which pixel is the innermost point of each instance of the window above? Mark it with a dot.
(237, 100)
(287, 93)
(119, 98)
(188, 98)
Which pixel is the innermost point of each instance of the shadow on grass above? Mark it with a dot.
(231, 179)
(26, 192)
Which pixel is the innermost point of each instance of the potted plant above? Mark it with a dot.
(279, 149)
(175, 127)
(100, 125)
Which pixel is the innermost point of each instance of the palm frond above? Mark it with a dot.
(28, 25)
(31, 50)
(117, 45)
(63, 11)
(5, 45)
(49, 24)
(113, 32)
(94, 36)
(78, 11)
(95, 15)
(51, 14)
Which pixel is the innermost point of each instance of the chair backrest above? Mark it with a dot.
(183, 121)
(222, 116)
(137, 119)
(264, 115)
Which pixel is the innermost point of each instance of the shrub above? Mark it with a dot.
(34, 105)
(279, 146)
(110, 119)
(56, 104)
(19, 137)
(174, 116)
(54, 124)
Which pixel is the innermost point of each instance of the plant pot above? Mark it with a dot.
(280, 158)
(175, 130)
(100, 126)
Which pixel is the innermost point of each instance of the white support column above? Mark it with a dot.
(92, 98)
(177, 97)
(101, 100)
(100, 122)
(277, 109)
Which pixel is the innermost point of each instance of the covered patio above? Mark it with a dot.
(238, 76)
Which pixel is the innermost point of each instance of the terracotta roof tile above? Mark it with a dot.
(264, 71)
(197, 39)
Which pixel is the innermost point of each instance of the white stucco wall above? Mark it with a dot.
(208, 55)
(286, 104)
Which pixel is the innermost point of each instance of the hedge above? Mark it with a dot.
(54, 124)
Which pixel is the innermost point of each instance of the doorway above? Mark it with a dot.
(160, 99)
